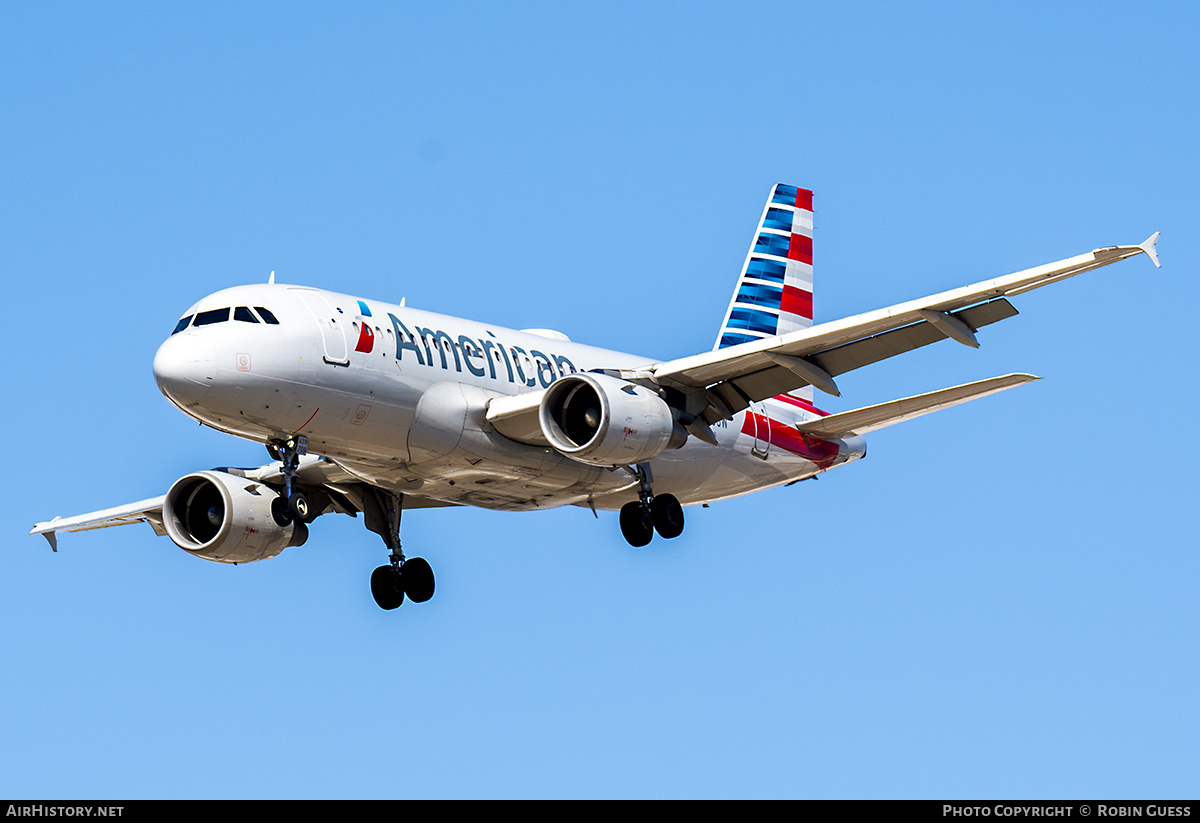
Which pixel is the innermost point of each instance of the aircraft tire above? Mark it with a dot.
(416, 578)
(667, 515)
(385, 588)
(636, 525)
(298, 506)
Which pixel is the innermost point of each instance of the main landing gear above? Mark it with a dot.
(411, 577)
(650, 512)
(390, 584)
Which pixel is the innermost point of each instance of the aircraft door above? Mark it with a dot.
(332, 328)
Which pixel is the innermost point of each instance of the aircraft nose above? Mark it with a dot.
(184, 368)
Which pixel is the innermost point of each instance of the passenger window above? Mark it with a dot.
(182, 324)
(267, 317)
(207, 318)
(244, 314)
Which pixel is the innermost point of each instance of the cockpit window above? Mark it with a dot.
(267, 317)
(207, 318)
(182, 324)
(244, 314)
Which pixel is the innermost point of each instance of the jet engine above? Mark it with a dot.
(228, 519)
(606, 421)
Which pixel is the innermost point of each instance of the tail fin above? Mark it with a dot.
(774, 291)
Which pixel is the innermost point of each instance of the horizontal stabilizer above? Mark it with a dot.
(870, 418)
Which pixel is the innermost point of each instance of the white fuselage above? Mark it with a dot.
(400, 404)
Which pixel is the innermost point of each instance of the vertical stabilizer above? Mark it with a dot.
(774, 291)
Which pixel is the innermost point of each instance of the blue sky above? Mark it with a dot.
(999, 601)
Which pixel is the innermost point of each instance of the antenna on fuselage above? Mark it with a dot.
(271, 279)
(402, 299)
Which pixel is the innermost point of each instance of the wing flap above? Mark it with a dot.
(776, 380)
(870, 418)
(878, 347)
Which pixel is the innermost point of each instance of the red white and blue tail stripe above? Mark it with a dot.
(774, 292)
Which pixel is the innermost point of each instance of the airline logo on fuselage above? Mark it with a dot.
(482, 358)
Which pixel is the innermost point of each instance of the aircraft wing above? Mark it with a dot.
(143, 511)
(733, 377)
(313, 471)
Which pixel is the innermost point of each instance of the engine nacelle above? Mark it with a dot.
(227, 519)
(606, 421)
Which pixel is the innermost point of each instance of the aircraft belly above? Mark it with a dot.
(752, 455)
(492, 484)
(735, 475)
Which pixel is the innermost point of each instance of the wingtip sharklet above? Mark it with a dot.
(1151, 250)
(47, 531)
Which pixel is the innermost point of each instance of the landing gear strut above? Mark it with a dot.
(650, 512)
(411, 577)
(293, 508)
(294, 505)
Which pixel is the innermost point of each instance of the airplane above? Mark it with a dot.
(372, 408)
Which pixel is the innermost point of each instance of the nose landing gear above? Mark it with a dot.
(295, 502)
(650, 512)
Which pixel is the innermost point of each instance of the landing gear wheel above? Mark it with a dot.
(667, 515)
(385, 587)
(416, 578)
(298, 507)
(636, 525)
